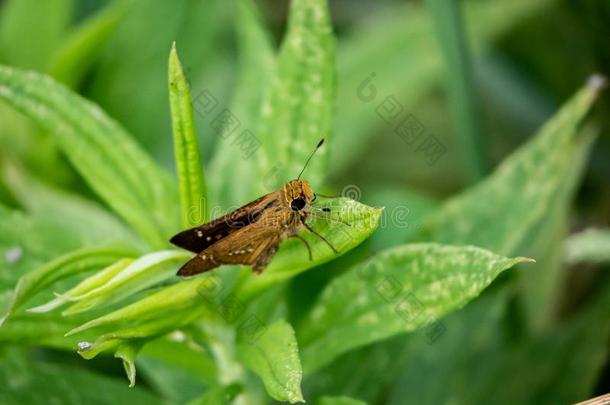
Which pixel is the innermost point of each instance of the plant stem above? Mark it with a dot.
(448, 24)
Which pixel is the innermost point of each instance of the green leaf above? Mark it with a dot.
(142, 273)
(535, 173)
(81, 49)
(109, 160)
(24, 329)
(398, 290)
(33, 382)
(30, 30)
(132, 326)
(90, 283)
(231, 163)
(299, 106)
(274, 356)
(591, 245)
(553, 367)
(177, 367)
(62, 267)
(339, 401)
(193, 192)
(80, 219)
(350, 224)
(161, 312)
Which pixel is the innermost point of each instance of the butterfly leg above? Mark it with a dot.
(306, 244)
(310, 229)
(264, 258)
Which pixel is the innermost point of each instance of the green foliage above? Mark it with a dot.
(538, 170)
(421, 310)
(29, 382)
(298, 108)
(398, 290)
(193, 192)
(79, 52)
(105, 155)
(275, 358)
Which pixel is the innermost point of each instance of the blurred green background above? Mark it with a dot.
(480, 76)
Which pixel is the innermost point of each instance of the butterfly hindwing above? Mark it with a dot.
(253, 245)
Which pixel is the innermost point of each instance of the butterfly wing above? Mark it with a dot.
(203, 236)
(253, 245)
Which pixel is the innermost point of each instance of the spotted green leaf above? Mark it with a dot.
(521, 188)
(298, 108)
(396, 291)
(350, 223)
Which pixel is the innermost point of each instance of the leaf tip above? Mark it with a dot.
(597, 82)
(523, 259)
(77, 329)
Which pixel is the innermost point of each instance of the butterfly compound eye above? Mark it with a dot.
(297, 204)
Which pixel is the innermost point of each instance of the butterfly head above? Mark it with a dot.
(298, 194)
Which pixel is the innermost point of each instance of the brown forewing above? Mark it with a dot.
(254, 244)
(203, 236)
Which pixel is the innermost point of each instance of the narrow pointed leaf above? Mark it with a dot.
(193, 192)
(90, 283)
(142, 273)
(165, 310)
(62, 267)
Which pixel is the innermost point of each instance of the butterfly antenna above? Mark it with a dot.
(310, 156)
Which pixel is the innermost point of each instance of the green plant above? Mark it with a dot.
(229, 331)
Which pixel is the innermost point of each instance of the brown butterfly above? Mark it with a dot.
(253, 233)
